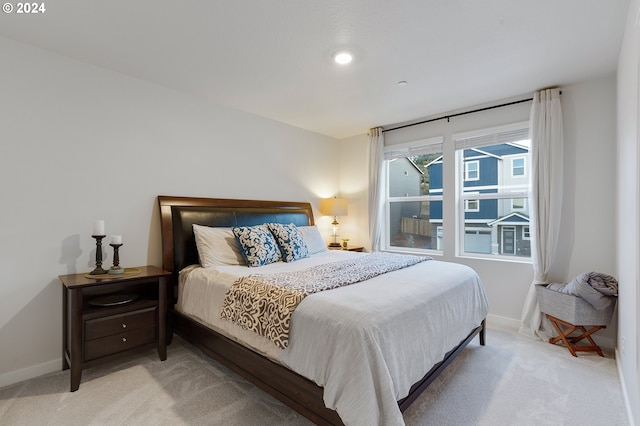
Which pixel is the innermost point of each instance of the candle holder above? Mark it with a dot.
(98, 270)
(116, 268)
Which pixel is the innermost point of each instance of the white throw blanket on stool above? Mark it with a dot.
(594, 287)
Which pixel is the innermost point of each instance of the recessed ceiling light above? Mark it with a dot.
(403, 83)
(343, 57)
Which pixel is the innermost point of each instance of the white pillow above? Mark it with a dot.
(313, 239)
(217, 246)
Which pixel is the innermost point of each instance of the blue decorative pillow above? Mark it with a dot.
(257, 245)
(290, 240)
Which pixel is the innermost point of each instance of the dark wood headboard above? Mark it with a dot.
(178, 214)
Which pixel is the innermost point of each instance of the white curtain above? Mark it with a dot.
(546, 199)
(376, 186)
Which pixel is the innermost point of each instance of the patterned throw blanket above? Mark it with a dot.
(264, 303)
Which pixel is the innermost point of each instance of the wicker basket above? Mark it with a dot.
(571, 309)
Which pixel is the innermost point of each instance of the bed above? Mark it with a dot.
(311, 385)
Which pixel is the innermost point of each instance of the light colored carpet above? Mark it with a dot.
(510, 381)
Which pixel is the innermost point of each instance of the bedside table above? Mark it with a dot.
(99, 320)
(349, 248)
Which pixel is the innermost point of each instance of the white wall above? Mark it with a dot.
(587, 242)
(80, 143)
(354, 186)
(628, 212)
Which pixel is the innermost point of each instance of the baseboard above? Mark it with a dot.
(625, 395)
(604, 342)
(12, 377)
(502, 322)
(514, 324)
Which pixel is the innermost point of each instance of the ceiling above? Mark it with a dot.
(273, 58)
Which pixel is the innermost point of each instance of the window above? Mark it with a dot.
(471, 170)
(489, 193)
(493, 214)
(518, 203)
(517, 167)
(471, 205)
(414, 196)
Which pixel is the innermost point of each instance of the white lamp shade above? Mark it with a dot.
(333, 207)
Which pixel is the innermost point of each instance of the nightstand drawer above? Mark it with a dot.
(119, 342)
(114, 324)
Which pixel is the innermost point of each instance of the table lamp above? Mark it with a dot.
(334, 207)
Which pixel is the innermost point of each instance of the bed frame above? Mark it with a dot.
(177, 215)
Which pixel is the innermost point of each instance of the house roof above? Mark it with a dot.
(514, 218)
(497, 151)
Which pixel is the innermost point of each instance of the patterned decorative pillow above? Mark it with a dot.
(290, 240)
(257, 245)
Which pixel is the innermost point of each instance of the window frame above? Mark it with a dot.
(509, 192)
(450, 229)
(468, 201)
(466, 170)
(523, 167)
(516, 209)
(407, 150)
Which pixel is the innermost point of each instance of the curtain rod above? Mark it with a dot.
(447, 117)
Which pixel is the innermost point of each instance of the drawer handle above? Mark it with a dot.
(124, 339)
(124, 325)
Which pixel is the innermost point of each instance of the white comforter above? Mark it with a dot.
(366, 343)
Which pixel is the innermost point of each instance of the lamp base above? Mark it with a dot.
(334, 245)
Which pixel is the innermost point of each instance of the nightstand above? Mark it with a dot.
(112, 315)
(349, 248)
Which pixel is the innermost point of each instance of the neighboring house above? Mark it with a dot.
(492, 226)
(405, 179)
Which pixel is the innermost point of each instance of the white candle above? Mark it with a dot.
(116, 239)
(98, 227)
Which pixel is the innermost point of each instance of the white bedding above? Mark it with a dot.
(366, 343)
